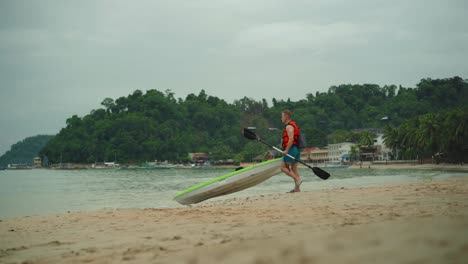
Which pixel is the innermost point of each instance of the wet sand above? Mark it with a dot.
(417, 222)
(428, 166)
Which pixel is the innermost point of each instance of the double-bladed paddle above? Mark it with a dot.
(317, 171)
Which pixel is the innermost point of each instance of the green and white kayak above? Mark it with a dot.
(230, 183)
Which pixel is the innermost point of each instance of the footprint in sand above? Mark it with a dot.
(90, 250)
(55, 243)
(6, 252)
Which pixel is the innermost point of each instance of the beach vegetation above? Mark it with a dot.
(434, 136)
(155, 125)
(24, 151)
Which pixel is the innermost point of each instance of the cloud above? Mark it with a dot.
(59, 58)
(299, 36)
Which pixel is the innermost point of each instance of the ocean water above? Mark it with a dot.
(43, 191)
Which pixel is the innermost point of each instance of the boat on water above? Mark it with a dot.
(147, 167)
(105, 165)
(202, 165)
(150, 166)
(19, 167)
(332, 165)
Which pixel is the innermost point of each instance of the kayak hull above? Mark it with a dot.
(230, 183)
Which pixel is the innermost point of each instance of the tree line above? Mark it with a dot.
(24, 151)
(157, 126)
(435, 136)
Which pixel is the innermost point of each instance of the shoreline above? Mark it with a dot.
(366, 164)
(381, 165)
(424, 221)
(441, 166)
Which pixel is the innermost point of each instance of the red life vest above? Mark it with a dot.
(296, 135)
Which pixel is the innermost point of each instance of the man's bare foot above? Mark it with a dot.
(298, 183)
(294, 190)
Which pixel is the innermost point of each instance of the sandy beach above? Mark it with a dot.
(430, 166)
(383, 165)
(417, 222)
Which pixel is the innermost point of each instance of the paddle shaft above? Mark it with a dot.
(287, 154)
(317, 171)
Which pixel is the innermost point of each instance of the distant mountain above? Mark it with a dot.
(25, 150)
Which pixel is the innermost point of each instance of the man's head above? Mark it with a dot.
(286, 116)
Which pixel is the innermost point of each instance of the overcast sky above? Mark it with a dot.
(60, 58)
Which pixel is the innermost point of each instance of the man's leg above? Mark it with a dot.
(298, 180)
(290, 173)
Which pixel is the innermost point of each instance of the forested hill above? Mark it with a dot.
(156, 125)
(24, 151)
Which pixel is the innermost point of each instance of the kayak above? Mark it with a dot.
(230, 183)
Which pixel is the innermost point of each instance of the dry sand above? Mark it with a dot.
(418, 222)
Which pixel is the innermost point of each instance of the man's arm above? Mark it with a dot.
(290, 130)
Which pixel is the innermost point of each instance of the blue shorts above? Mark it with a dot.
(293, 151)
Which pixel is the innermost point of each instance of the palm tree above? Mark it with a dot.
(427, 134)
(366, 143)
(390, 139)
(354, 152)
(367, 139)
(407, 138)
(455, 134)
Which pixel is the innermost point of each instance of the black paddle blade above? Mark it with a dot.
(249, 134)
(321, 173)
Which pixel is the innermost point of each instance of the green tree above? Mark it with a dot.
(24, 151)
(390, 139)
(354, 153)
(155, 125)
